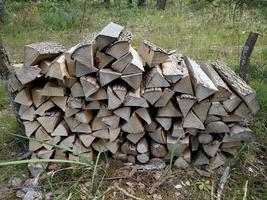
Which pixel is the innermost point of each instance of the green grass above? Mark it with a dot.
(201, 30)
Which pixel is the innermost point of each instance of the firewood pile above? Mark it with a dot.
(103, 95)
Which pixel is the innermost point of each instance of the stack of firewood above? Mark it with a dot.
(103, 95)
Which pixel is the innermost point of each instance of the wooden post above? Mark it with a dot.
(246, 53)
(5, 73)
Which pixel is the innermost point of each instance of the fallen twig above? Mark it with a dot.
(245, 190)
(222, 182)
(161, 180)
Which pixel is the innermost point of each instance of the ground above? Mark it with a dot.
(203, 30)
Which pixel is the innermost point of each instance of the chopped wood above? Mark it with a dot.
(212, 148)
(212, 118)
(104, 111)
(170, 110)
(44, 107)
(13, 84)
(120, 64)
(205, 138)
(185, 103)
(31, 127)
(155, 78)
(108, 35)
(164, 98)
(103, 133)
(134, 125)
(201, 110)
(217, 127)
(112, 121)
(93, 105)
(71, 111)
(142, 146)
(86, 139)
(102, 60)
(49, 145)
(113, 100)
(114, 133)
(243, 111)
(97, 124)
(171, 70)
(36, 52)
(60, 102)
(42, 135)
(37, 97)
(100, 94)
(53, 89)
(231, 103)
(118, 49)
(114, 146)
(238, 85)
(151, 127)
(152, 54)
(44, 66)
(67, 142)
(61, 130)
(202, 84)
(123, 112)
(135, 137)
(45, 154)
(177, 129)
(165, 122)
(107, 75)
(134, 80)
(184, 85)
(231, 118)
(177, 146)
(194, 143)
(82, 70)
(217, 109)
(120, 91)
(24, 97)
(144, 114)
(217, 161)
(143, 157)
(34, 145)
(82, 128)
(181, 163)
(151, 94)
(27, 74)
(73, 102)
(242, 133)
(49, 122)
(136, 64)
(159, 136)
(134, 99)
(223, 92)
(129, 148)
(58, 68)
(158, 150)
(192, 121)
(77, 90)
(90, 85)
(85, 116)
(201, 159)
(27, 113)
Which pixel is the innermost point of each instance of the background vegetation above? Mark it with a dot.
(203, 30)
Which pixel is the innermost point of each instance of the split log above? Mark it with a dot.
(176, 146)
(144, 114)
(129, 148)
(170, 110)
(24, 97)
(31, 127)
(185, 103)
(36, 52)
(217, 127)
(177, 129)
(86, 139)
(164, 98)
(136, 64)
(44, 107)
(181, 163)
(205, 138)
(151, 94)
(151, 127)
(184, 85)
(203, 86)
(60, 102)
(112, 121)
(58, 68)
(201, 109)
(171, 70)
(107, 75)
(108, 35)
(231, 103)
(134, 99)
(135, 137)
(143, 157)
(84, 116)
(27, 74)
(27, 113)
(90, 85)
(100, 94)
(102, 60)
(50, 122)
(212, 148)
(238, 85)
(159, 136)
(152, 54)
(44, 66)
(114, 134)
(118, 49)
(217, 109)
(52, 89)
(223, 92)
(165, 122)
(201, 159)
(134, 80)
(114, 146)
(123, 112)
(155, 78)
(120, 64)
(103, 134)
(191, 121)
(242, 133)
(37, 98)
(77, 90)
(61, 130)
(134, 125)
(243, 111)
(142, 146)
(93, 105)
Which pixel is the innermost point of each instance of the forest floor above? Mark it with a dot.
(199, 29)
